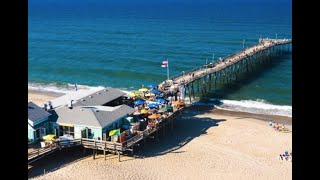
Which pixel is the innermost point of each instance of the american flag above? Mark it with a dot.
(164, 64)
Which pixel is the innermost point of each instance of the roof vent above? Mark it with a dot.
(90, 96)
(99, 93)
(81, 109)
(82, 99)
(96, 110)
(70, 105)
(105, 90)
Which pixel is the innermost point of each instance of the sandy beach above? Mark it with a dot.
(206, 144)
(40, 97)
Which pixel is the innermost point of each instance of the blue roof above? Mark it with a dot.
(36, 113)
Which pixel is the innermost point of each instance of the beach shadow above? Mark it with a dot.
(57, 160)
(186, 127)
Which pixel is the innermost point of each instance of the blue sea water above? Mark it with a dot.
(122, 46)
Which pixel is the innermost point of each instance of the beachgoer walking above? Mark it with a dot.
(280, 157)
(270, 123)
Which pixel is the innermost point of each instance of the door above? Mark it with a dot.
(42, 132)
(37, 134)
(84, 133)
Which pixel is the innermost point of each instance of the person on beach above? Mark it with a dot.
(280, 157)
(270, 123)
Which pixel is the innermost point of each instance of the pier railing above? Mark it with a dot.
(273, 42)
(56, 145)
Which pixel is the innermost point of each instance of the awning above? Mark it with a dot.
(65, 124)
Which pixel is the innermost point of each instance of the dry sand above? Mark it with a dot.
(39, 97)
(204, 145)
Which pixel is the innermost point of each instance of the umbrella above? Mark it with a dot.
(139, 102)
(144, 111)
(49, 137)
(154, 116)
(143, 90)
(178, 103)
(160, 100)
(151, 86)
(133, 94)
(154, 91)
(153, 105)
(166, 108)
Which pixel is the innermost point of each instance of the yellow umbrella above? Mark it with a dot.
(143, 90)
(144, 111)
(48, 137)
(134, 94)
(154, 116)
(178, 103)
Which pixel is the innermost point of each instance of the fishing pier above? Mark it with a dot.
(229, 68)
(204, 78)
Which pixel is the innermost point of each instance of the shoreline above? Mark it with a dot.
(263, 117)
(39, 97)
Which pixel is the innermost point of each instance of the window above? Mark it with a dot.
(66, 130)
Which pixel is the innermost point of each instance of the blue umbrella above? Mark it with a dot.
(139, 102)
(153, 105)
(152, 86)
(155, 91)
(160, 100)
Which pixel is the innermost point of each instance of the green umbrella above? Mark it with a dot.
(166, 108)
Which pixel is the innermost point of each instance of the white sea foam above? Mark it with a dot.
(65, 88)
(254, 106)
(49, 88)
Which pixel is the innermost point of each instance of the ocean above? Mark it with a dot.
(123, 45)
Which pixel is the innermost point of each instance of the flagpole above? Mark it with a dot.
(168, 68)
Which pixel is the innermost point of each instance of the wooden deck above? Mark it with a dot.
(41, 152)
(109, 146)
